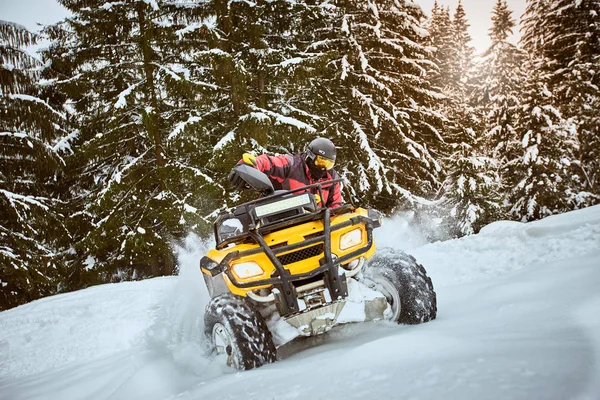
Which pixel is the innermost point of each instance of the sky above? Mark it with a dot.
(31, 12)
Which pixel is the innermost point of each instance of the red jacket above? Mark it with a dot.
(291, 172)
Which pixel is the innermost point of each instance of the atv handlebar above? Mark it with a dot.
(247, 213)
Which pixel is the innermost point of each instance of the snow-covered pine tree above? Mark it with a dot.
(539, 180)
(463, 51)
(496, 84)
(471, 189)
(454, 53)
(442, 39)
(254, 65)
(566, 35)
(128, 68)
(432, 23)
(470, 197)
(30, 163)
(374, 97)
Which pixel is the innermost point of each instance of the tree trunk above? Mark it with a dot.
(262, 101)
(153, 124)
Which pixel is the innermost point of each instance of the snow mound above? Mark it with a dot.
(505, 246)
(517, 307)
(79, 326)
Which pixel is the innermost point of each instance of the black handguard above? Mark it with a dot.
(237, 182)
(244, 176)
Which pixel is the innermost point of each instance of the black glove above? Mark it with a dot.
(236, 180)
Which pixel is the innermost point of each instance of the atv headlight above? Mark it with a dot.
(351, 239)
(248, 269)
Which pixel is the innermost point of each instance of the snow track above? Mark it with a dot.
(518, 310)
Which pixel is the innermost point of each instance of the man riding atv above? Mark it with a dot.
(299, 262)
(292, 171)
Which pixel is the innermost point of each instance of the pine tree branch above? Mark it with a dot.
(25, 97)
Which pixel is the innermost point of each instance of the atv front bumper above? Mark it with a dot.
(284, 282)
(320, 320)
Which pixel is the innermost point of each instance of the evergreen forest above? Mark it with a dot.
(116, 140)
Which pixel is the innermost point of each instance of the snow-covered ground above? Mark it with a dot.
(518, 318)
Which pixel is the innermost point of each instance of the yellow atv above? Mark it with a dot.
(285, 267)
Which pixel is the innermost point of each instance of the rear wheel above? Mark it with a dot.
(405, 284)
(237, 332)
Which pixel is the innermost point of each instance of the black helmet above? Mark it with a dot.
(321, 152)
(320, 157)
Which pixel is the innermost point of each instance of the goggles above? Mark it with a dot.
(324, 162)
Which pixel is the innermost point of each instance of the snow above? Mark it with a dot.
(122, 101)
(234, 223)
(108, 6)
(153, 4)
(283, 332)
(354, 309)
(13, 24)
(64, 143)
(257, 116)
(189, 208)
(282, 119)
(517, 318)
(224, 140)
(118, 174)
(89, 262)
(291, 61)
(345, 26)
(20, 135)
(531, 154)
(375, 164)
(196, 171)
(16, 199)
(181, 126)
(345, 68)
(209, 22)
(25, 97)
(8, 66)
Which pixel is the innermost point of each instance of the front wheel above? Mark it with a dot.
(237, 332)
(404, 283)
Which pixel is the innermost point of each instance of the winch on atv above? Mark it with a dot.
(283, 258)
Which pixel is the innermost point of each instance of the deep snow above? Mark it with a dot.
(518, 318)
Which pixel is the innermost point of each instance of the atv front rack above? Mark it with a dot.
(286, 295)
(266, 224)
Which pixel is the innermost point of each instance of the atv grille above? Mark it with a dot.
(301, 254)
